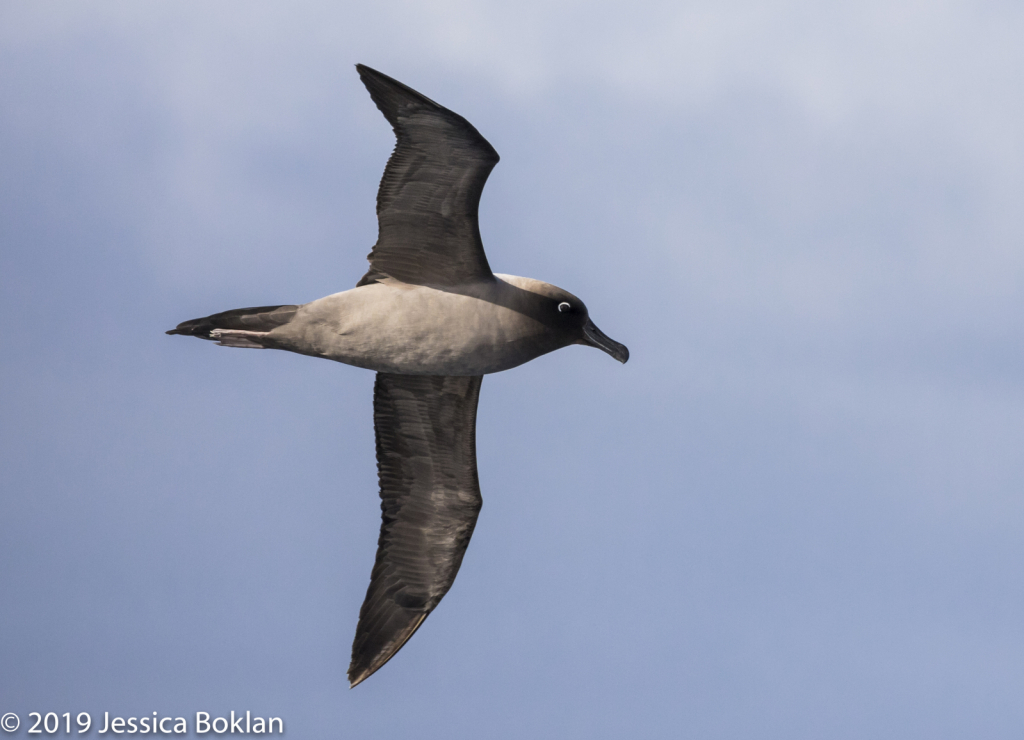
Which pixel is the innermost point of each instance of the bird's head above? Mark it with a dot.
(567, 315)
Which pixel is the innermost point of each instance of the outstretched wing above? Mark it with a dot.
(430, 499)
(428, 198)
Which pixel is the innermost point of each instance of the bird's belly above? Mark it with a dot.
(412, 330)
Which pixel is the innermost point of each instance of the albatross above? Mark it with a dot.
(431, 319)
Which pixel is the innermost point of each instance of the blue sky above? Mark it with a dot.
(796, 513)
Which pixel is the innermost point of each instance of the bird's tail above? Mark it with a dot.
(241, 327)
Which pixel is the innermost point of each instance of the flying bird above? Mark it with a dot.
(431, 319)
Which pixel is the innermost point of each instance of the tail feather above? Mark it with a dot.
(260, 319)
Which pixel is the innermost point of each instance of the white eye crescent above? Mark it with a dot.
(563, 307)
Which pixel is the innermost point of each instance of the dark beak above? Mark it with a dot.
(594, 337)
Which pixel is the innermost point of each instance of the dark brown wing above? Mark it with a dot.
(430, 499)
(429, 195)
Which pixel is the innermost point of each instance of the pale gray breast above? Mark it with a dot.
(421, 330)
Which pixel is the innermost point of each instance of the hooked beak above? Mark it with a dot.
(594, 337)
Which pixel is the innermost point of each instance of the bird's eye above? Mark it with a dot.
(563, 307)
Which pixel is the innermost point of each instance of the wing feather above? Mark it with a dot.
(430, 499)
(429, 196)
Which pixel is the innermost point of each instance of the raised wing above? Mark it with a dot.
(428, 198)
(430, 499)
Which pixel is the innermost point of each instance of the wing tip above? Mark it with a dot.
(359, 671)
(389, 94)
